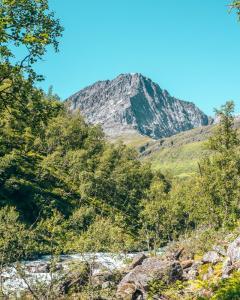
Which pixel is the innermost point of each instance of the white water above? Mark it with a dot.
(13, 283)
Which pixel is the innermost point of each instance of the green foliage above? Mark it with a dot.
(81, 219)
(16, 241)
(227, 289)
(220, 175)
(77, 278)
(155, 214)
(68, 182)
(207, 201)
(108, 177)
(28, 24)
(102, 236)
(20, 158)
(24, 111)
(167, 212)
(51, 234)
(236, 6)
(156, 287)
(171, 291)
(225, 137)
(65, 188)
(180, 161)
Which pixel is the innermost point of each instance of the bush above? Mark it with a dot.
(16, 242)
(228, 289)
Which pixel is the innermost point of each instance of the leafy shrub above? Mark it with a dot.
(228, 289)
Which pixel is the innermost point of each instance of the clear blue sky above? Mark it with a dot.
(189, 47)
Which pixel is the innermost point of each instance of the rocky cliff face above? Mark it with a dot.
(132, 102)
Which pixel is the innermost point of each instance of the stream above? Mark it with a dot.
(37, 271)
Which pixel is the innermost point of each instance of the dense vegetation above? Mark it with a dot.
(54, 165)
(65, 188)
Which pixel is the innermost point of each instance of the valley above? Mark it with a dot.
(122, 191)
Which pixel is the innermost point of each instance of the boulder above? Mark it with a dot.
(137, 260)
(38, 268)
(211, 257)
(100, 278)
(227, 268)
(135, 284)
(233, 251)
(232, 262)
(107, 284)
(190, 274)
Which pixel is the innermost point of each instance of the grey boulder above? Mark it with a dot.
(211, 257)
(232, 262)
(135, 284)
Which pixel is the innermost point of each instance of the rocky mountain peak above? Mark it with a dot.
(132, 102)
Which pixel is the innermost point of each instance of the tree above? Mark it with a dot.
(103, 235)
(220, 180)
(225, 137)
(15, 239)
(31, 26)
(236, 6)
(156, 213)
(27, 29)
(108, 177)
(50, 95)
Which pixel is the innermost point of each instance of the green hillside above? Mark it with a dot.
(179, 161)
(178, 155)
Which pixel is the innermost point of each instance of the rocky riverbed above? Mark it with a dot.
(130, 276)
(20, 276)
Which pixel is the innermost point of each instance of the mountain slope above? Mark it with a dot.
(178, 154)
(133, 103)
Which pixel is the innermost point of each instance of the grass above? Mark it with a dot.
(180, 161)
(135, 140)
(178, 155)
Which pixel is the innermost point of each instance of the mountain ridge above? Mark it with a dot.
(134, 103)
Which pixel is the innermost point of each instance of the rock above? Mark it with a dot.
(38, 268)
(178, 254)
(220, 250)
(105, 278)
(232, 262)
(233, 251)
(107, 284)
(192, 272)
(211, 257)
(127, 291)
(187, 263)
(227, 268)
(100, 278)
(133, 103)
(137, 260)
(135, 283)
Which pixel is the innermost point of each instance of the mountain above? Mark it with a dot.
(134, 103)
